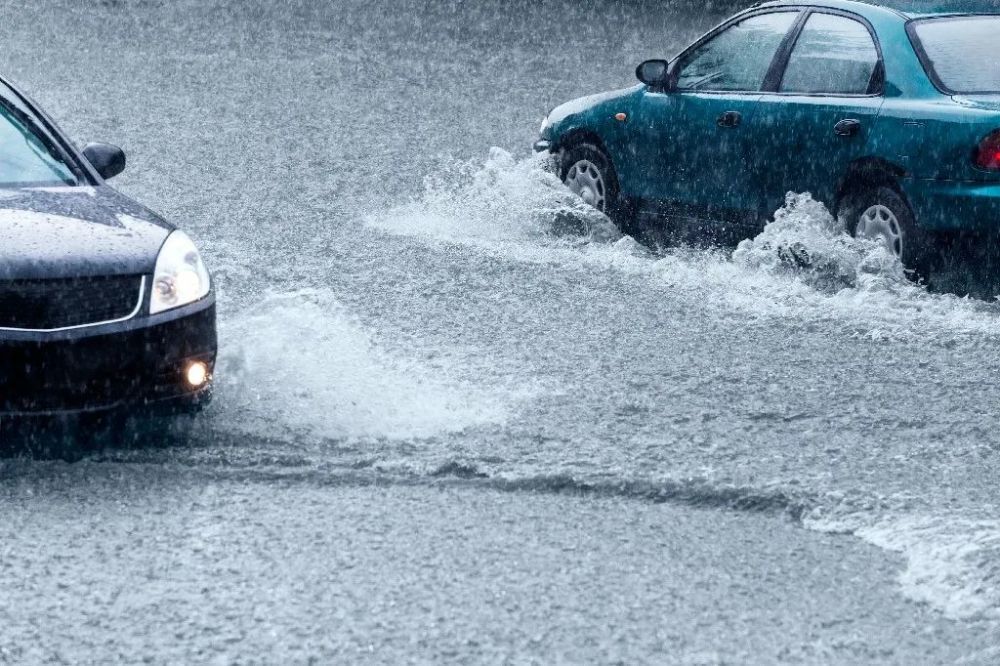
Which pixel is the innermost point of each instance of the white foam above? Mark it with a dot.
(805, 241)
(299, 362)
(953, 562)
(499, 203)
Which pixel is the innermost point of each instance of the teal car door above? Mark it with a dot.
(692, 143)
(818, 119)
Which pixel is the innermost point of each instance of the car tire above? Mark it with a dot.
(588, 171)
(881, 211)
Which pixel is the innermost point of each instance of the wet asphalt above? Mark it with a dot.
(445, 432)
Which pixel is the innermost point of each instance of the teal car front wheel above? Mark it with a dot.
(590, 174)
(587, 181)
(587, 171)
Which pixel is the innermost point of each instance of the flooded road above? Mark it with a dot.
(450, 426)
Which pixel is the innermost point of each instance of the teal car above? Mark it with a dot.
(888, 112)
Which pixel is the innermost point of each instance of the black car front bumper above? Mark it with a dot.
(138, 364)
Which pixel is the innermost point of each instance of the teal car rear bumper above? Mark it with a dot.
(942, 205)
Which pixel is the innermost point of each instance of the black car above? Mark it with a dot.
(103, 304)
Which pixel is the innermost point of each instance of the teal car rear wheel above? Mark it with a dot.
(881, 213)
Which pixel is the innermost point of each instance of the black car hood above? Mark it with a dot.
(63, 232)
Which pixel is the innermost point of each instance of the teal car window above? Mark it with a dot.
(833, 55)
(738, 58)
(958, 52)
(25, 159)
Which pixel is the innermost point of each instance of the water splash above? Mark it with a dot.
(503, 200)
(803, 268)
(807, 242)
(300, 363)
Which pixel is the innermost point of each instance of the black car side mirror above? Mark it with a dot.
(654, 73)
(107, 160)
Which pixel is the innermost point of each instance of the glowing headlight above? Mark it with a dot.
(180, 277)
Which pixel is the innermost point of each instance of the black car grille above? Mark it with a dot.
(128, 366)
(61, 303)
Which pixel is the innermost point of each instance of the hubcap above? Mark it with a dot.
(587, 182)
(880, 223)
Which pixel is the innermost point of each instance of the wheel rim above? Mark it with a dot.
(586, 181)
(880, 223)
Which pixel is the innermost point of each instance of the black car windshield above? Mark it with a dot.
(25, 158)
(958, 52)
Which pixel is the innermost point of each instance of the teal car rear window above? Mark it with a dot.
(959, 52)
(833, 55)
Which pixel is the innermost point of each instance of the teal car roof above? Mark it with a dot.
(904, 8)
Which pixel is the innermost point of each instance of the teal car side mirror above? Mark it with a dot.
(654, 73)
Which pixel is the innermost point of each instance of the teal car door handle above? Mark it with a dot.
(729, 119)
(848, 127)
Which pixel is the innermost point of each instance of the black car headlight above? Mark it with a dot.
(180, 277)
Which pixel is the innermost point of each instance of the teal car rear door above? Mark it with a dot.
(692, 144)
(818, 120)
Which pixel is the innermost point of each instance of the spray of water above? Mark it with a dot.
(803, 267)
(501, 201)
(806, 242)
(300, 363)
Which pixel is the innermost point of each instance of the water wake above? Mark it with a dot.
(803, 268)
(952, 561)
(803, 274)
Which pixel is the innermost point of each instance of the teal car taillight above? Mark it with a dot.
(988, 152)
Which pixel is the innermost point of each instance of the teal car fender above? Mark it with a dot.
(597, 119)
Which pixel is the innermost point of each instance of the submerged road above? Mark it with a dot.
(450, 429)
